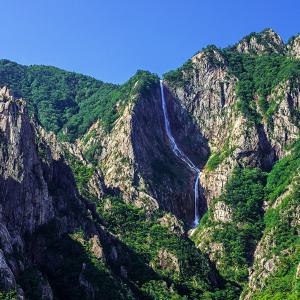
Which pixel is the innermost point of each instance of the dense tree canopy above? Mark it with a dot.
(68, 103)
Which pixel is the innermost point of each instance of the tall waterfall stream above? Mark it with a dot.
(180, 154)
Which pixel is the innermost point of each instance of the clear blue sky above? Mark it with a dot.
(111, 39)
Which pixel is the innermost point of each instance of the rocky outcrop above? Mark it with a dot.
(293, 47)
(26, 202)
(166, 261)
(222, 212)
(165, 176)
(209, 96)
(171, 222)
(20, 165)
(265, 42)
(264, 265)
(283, 125)
(270, 255)
(215, 250)
(207, 91)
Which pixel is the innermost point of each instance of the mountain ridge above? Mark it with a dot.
(117, 193)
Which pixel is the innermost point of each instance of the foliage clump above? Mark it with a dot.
(217, 158)
(244, 194)
(283, 173)
(258, 76)
(147, 238)
(82, 172)
(181, 76)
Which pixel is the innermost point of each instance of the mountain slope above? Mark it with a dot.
(106, 183)
(245, 105)
(55, 244)
(63, 102)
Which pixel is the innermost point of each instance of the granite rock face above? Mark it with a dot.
(265, 42)
(209, 96)
(222, 212)
(26, 203)
(293, 47)
(136, 158)
(40, 204)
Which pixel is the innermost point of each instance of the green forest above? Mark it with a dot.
(68, 103)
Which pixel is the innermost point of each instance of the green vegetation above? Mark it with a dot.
(73, 259)
(93, 151)
(244, 194)
(182, 266)
(181, 76)
(259, 75)
(283, 283)
(214, 161)
(58, 99)
(68, 103)
(283, 173)
(82, 174)
(11, 295)
(276, 220)
(210, 52)
(217, 158)
(158, 289)
(142, 82)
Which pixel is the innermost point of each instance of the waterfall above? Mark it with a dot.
(180, 154)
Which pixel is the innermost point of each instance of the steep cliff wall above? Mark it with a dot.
(136, 157)
(244, 126)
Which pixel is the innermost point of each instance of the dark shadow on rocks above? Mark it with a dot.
(268, 155)
(166, 177)
(186, 132)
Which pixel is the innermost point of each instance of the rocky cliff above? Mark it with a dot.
(207, 88)
(56, 244)
(136, 157)
(249, 122)
(40, 205)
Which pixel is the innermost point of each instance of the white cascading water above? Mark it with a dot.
(178, 152)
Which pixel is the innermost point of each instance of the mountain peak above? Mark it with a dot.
(264, 42)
